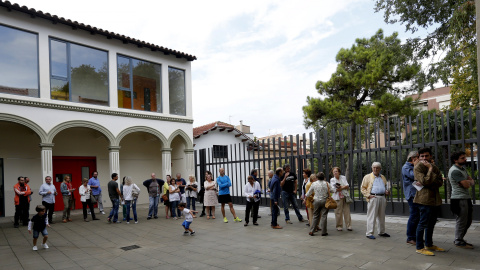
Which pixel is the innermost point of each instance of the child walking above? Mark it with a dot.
(40, 224)
(189, 215)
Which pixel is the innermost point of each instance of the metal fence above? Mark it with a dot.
(353, 149)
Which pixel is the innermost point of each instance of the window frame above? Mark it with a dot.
(184, 89)
(69, 69)
(220, 151)
(130, 70)
(38, 57)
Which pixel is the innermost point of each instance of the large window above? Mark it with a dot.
(78, 73)
(176, 85)
(18, 62)
(139, 84)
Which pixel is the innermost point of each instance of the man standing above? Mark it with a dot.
(48, 193)
(374, 189)
(115, 196)
(461, 201)
(94, 183)
(409, 190)
(22, 202)
(428, 198)
(289, 186)
(224, 184)
(154, 187)
(270, 177)
(274, 186)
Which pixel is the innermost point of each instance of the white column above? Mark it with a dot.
(189, 161)
(47, 168)
(167, 161)
(114, 159)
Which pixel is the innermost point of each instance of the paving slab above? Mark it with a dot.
(219, 245)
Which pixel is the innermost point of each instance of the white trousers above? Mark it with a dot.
(376, 212)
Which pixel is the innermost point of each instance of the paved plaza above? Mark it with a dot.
(216, 245)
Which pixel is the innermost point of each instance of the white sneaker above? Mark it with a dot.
(45, 245)
(35, 248)
(128, 222)
(103, 213)
(136, 222)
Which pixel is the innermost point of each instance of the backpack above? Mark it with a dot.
(135, 192)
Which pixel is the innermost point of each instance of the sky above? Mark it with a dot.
(257, 60)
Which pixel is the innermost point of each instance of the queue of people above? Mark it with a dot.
(420, 176)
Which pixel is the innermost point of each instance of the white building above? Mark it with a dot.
(223, 145)
(76, 99)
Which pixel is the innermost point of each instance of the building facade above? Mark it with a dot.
(75, 99)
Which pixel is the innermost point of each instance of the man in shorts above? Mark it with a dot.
(224, 184)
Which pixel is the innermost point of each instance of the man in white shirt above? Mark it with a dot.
(374, 189)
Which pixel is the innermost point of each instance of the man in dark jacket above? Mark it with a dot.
(275, 190)
(154, 187)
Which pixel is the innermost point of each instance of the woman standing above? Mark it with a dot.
(130, 200)
(85, 194)
(124, 206)
(252, 191)
(321, 190)
(340, 187)
(309, 201)
(174, 197)
(306, 179)
(166, 192)
(67, 194)
(191, 192)
(210, 199)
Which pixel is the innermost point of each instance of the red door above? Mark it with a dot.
(77, 168)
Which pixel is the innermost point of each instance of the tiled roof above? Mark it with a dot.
(93, 30)
(198, 131)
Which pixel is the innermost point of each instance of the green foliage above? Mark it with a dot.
(452, 35)
(365, 84)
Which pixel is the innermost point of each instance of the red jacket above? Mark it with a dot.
(16, 188)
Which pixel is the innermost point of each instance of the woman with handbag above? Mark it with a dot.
(166, 195)
(130, 190)
(308, 201)
(321, 191)
(210, 199)
(85, 197)
(173, 197)
(191, 192)
(340, 188)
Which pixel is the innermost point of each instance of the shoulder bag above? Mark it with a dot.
(330, 203)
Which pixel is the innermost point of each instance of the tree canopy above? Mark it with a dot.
(368, 82)
(451, 37)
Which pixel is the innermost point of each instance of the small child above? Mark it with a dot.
(189, 215)
(40, 224)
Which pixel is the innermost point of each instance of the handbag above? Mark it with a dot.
(348, 199)
(135, 192)
(93, 199)
(330, 203)
(165, 196)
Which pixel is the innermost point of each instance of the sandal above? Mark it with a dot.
(213, 217)
(208, 217)
(310, 233)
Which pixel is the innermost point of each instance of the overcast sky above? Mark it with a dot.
(257, 60)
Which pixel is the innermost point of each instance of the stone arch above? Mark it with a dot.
(80, 123)
(150, 130)
(25, 122)
(182, 134)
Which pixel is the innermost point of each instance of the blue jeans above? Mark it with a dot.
(153, 206)
(292, 198)
(428, 219)
(132, 203)
(192, 200)
(114, 211)
(412, 220)
(174, 205)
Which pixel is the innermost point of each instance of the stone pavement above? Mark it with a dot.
(96, 245)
